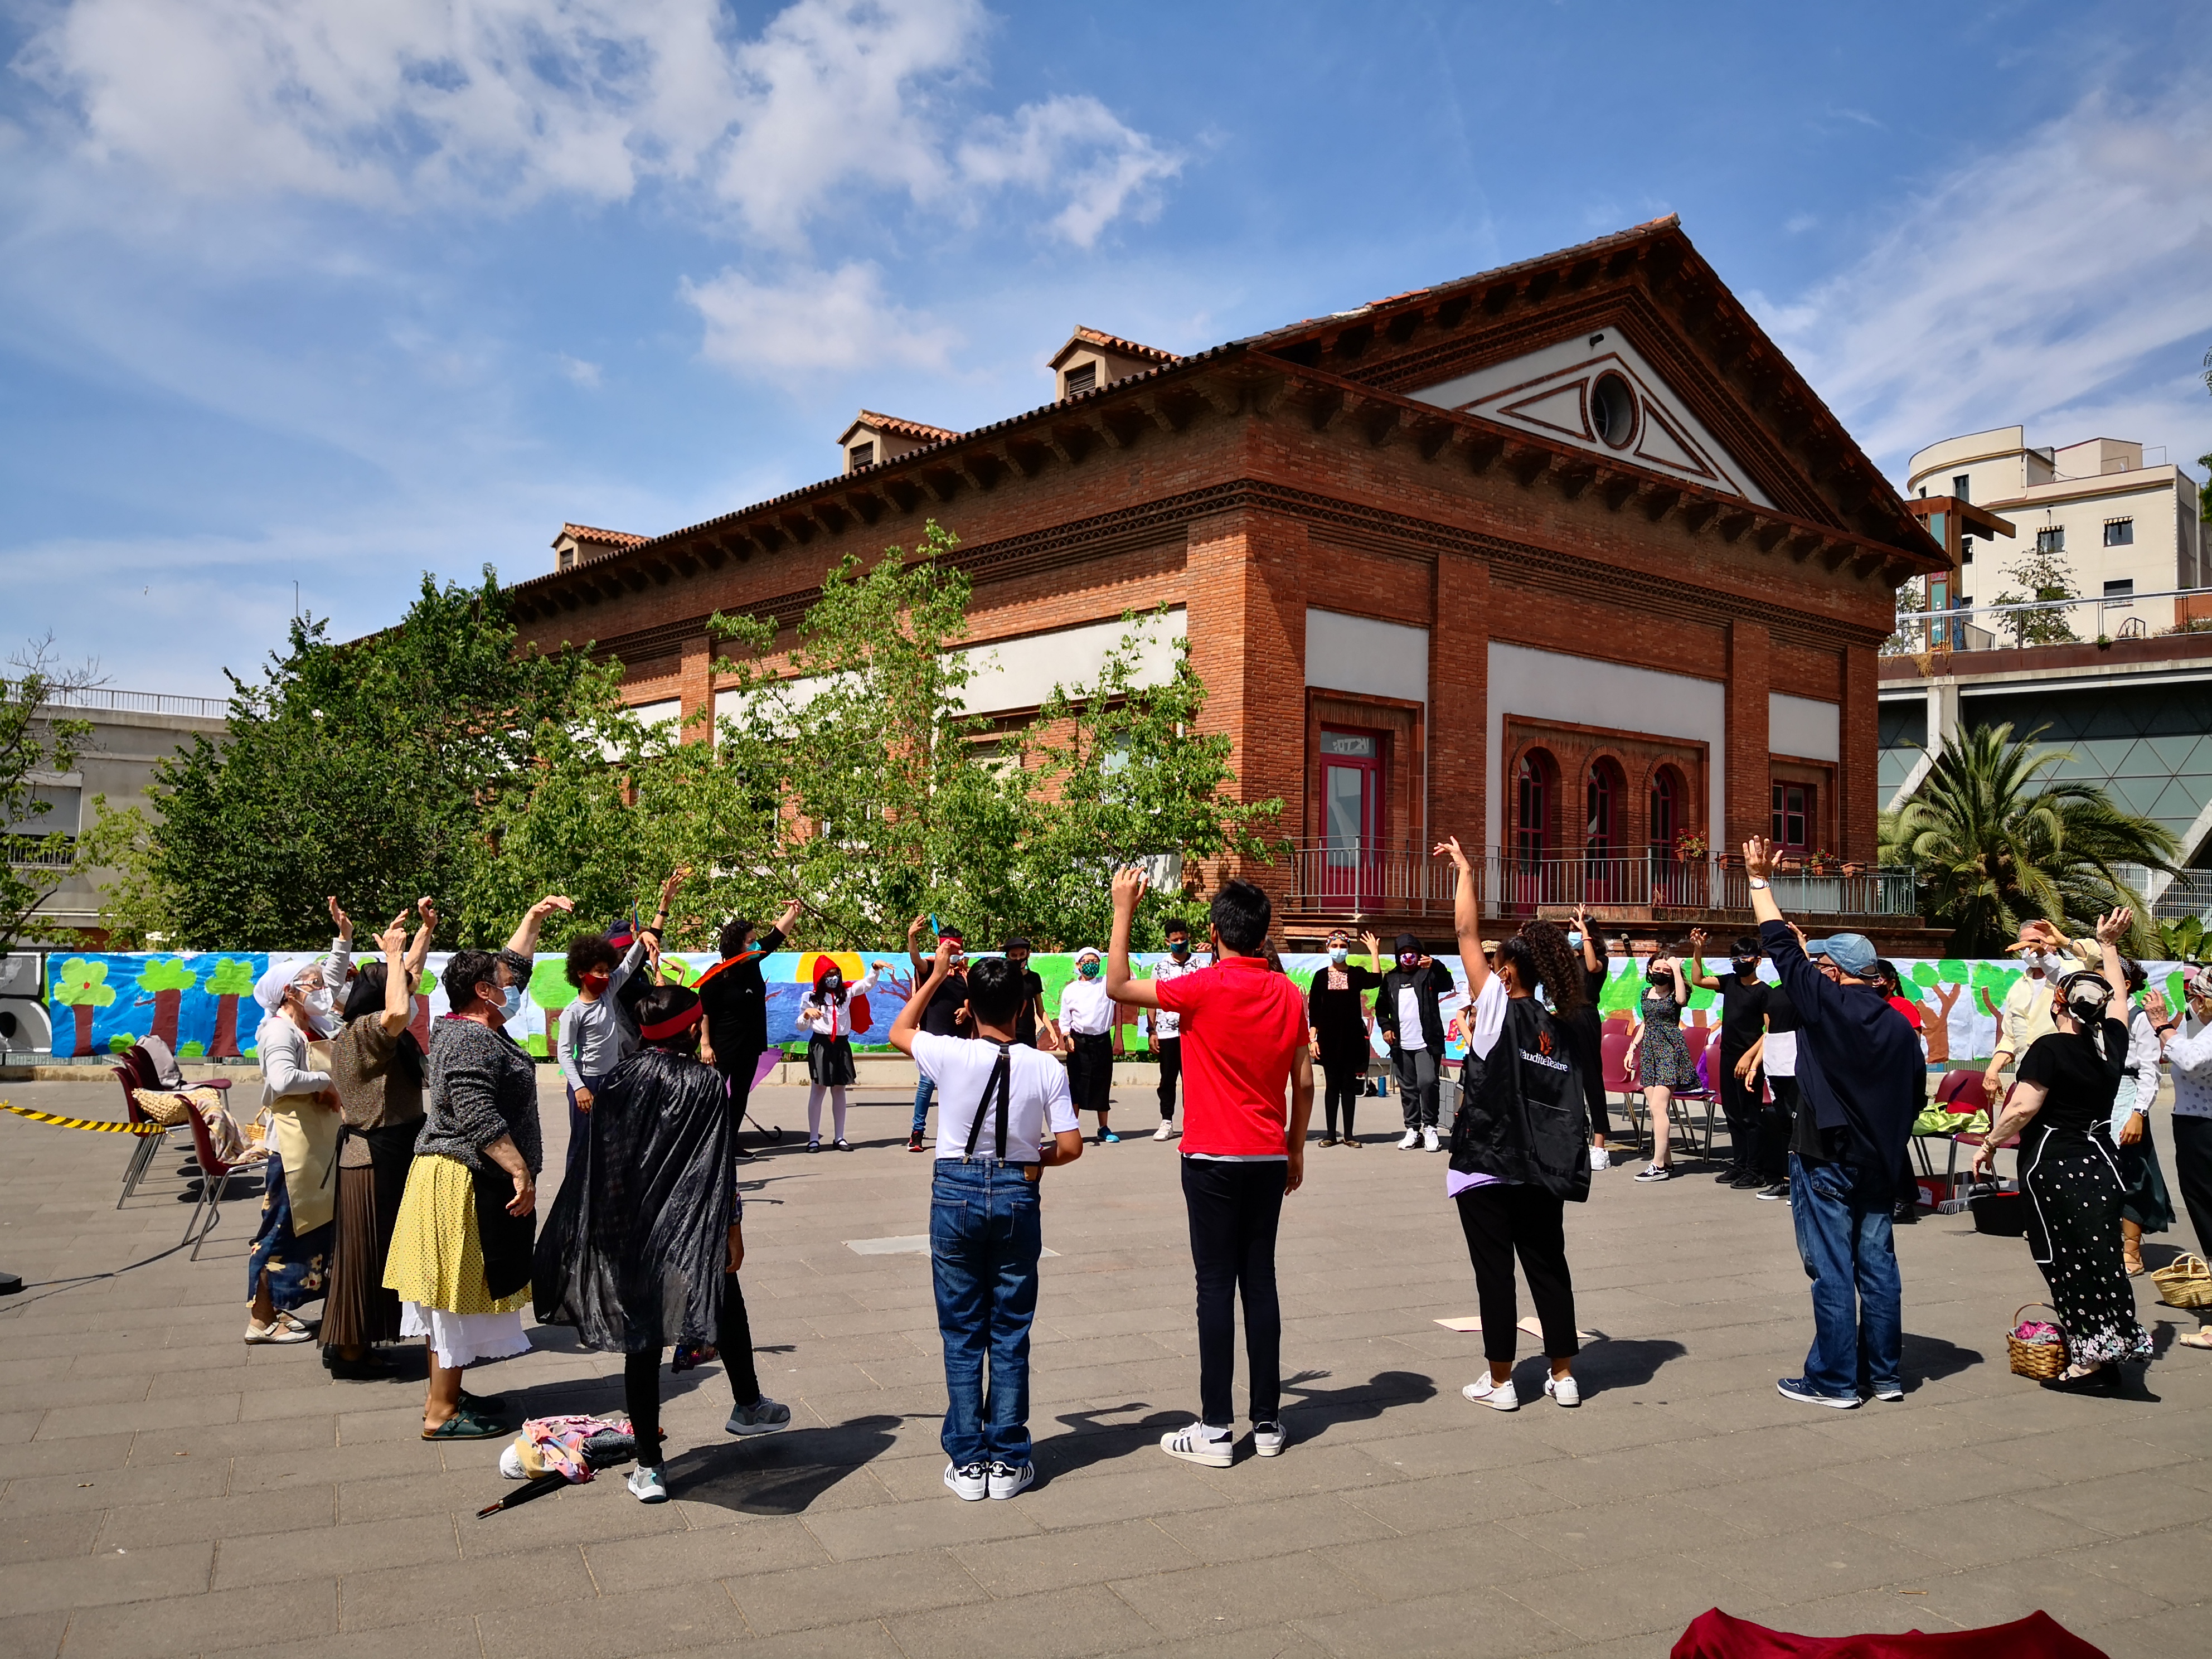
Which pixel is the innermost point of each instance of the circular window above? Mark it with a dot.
(1612, 410)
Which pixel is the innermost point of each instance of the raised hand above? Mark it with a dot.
(914, 928)
(1130, 886)
(427, 908)
(393, 939)
(1697, 941)
(552, 902)
(339, 919)
(2112, 927)
(1449, 847)
(677, 877)
(1759, 858)
(1374, 947)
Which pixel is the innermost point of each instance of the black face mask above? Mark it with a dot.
(1178, 948)
(1745, 969)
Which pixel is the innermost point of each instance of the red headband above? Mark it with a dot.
(674, 1024)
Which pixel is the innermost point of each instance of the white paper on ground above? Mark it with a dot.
(1530, 1325)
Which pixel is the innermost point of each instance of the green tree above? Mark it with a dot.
(37, 740)
(1995, 841)
(81, 987)
(2044, 572)
(168, 978)
(2183, 940)
(230, 980)
(134, 900)
(369, 770)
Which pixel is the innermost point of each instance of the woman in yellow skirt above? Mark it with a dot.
(459, 1259)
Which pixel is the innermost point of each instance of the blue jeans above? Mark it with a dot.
(986, 1230)
(1851, 1256)
(924, 1092)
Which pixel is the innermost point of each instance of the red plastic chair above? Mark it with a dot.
(148, 1147)
(214, 1182)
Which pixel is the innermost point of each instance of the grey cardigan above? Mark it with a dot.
(481, 1086)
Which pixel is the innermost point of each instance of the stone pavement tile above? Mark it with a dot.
(93, 1581)
(198, 1624)
(894, 1587)
(2174, 1565)
(1474, 1551)
(769, 1478)
(32, 1636)
(1819, 1562)
(941, 1521)
(67, 1422)
(2158, 1635)
(1868, 1611)
(430, 1491)
(376, 1598)
(712, 1549)
(1252, 1642)
(2078, 1456)
(1150, 1485)
(1644, 1472)
(110, 1488)
(47, 1537)
(865, 1639)
(393, 1422)
(1477, 1624)
(1058, 1623)
(432, 1638)
(140, 1526)
(1447, 1500)
(1074, 1555)
(1996, 1594)
(1767, 1506)
(325, 1464)
(40, 1394)
(1321, 1521)
(1635, 1525)
(1657, 1594)
(574, 1514)
(1952, 1471)
(250, 1563)
(1195, 1599)
(2124, 1504)
(1980, 1531)
(667, 1618)
(31, 1368)
(1327, 1465)
(173, 1369)
(244, 1438)
(106, 1451)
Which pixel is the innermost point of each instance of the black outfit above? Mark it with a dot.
(1090, 1072)
(1025, 1022)
(1334, 1013)
(1779, 1116)
(1743, 1019)
(1234, 1209)
(2071, 1175)
(2192, 1170)
(1500, 1222)
(941, 1017)
(1586, 1032)
(1170, 1050)
(736, 1000)
(1419, 1069)
(733, 1340)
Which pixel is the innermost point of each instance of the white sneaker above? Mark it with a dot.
(1413, 1139)
(1498, 1396)
(647, 1486)
(1268, 1439)
(1428, 1142)
(1565, 1389)
(1165, 1131)
(1599, 1159)
(1005, 1480)
(1196, 1444)
(283, 1329)
(972, 1483)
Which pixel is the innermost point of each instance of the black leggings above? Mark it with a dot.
(1341, 1085)
(641, 1374)
(1777, 1121)
(1501, 1221)
(1234, 1209)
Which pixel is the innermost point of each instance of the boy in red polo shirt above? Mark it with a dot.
(1243, 1048)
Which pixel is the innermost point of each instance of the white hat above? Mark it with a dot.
(278, 978)
(1087, 951)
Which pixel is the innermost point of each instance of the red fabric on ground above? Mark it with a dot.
(1714, 1635)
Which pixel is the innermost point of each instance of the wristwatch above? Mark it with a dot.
(1757, 885)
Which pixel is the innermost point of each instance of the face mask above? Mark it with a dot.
(832, 985)
(1178, 948)
(596, 983)
(1338, 955)
(1408, 959)
(1574, 938)
(510, 1004)
(1089, 971)
(320, 1014)
(1744, 970)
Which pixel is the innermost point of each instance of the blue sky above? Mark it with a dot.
(316, 293)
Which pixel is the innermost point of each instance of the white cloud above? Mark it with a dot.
(2059, 282)
(1076, 146)
(812, 321)
(584, 374)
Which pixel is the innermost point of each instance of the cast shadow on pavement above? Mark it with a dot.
(1930, 1360)
(1089, 1440)
(778, 1474)
(1614, 1363)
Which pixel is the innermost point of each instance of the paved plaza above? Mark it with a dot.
(167, 1491)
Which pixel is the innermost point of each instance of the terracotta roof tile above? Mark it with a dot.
(584, 532)
(1114, 342)
(915, 430)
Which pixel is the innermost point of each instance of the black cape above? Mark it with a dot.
(1522, 1114)
(633, 1253)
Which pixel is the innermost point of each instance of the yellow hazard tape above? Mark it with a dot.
(102, 1126)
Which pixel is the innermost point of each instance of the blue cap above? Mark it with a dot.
(1852, 953)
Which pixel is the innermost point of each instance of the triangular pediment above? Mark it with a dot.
(1598, 392)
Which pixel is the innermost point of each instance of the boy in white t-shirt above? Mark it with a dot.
(1003, 1114)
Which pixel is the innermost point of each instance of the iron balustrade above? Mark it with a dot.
(1396, 879)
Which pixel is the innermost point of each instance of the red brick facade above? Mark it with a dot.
(1251, 483)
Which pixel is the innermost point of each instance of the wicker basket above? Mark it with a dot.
(2040, 1360)
(2184, 1282)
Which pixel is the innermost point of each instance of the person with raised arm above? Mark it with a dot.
(1243, 1030)
(1659, 1057)
(1743, 1022)
(735, 997)
(1859, 1079)
(1588, 1026)
(941, 1017)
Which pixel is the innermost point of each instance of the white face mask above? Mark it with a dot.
(320, 1014)
(510, 1006)
(1338, 955)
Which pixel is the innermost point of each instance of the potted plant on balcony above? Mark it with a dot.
(1691, 845)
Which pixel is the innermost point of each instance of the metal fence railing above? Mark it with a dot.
(1401, 880)
(138, 702)
(2046, 622)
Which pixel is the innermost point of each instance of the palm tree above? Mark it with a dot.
(1996, 842)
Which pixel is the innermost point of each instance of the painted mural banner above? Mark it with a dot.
(201, 1003)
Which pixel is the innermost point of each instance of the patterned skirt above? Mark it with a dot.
(436, 1258)
(298, 1264)
(2073, 1186)
(1663, 1060)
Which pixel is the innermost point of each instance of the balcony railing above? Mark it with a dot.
(1399, 879)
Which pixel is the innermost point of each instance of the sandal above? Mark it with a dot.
(2197, 1338)
(465, 1425)
(2133, 1269)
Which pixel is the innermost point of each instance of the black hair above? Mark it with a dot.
(1175, 925)
(464, 971)
(665, 1002)
(1558, 966)
(365, 1001)
(1748, 946)
(2136, 978)
(1515, 948)
(591, 952)
(735, 932)
(1242, 915)
(994, 990)
(1884, 969)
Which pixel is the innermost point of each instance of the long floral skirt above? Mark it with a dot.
(298, 1264)
(2073, 1185)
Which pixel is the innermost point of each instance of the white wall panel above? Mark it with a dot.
(1803, 726)
(1011, 674)
(1365, 657)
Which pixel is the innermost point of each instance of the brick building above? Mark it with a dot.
(1566, 559)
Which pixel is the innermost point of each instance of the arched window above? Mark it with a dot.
(1532, 805)
(1667, 803)
(1602, 804)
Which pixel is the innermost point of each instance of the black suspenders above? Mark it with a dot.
(1002, 1082)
